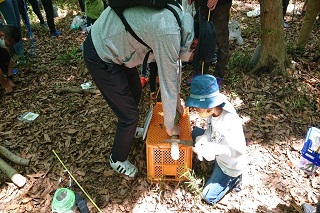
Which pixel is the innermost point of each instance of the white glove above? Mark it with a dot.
(209, 150)
(200, 140)
(174, 150)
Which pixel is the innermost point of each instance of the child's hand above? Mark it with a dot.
(198, 147)
(205, 149)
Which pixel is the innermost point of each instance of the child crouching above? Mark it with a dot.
(223, 141)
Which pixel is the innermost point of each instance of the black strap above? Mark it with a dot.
(119, 12)
(145, 61)
(81, 203)
(174, 13)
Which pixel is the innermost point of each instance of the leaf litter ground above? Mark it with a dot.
(277, 112)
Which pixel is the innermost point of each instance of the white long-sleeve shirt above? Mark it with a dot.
(157, 28)
(227, 130)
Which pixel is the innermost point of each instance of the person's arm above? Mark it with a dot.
(10, 76)
(166, 54)
(10, 65)
(4, 83)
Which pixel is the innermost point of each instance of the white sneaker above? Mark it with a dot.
(124, 167)
(139, 133)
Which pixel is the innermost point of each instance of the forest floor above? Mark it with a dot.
(277, 112)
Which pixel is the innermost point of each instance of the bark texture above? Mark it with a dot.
(273, 52)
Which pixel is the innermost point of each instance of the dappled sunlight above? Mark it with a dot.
(276, 112)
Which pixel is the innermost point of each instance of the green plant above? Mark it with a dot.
(71, 55)
(240, 59)
(194, 184)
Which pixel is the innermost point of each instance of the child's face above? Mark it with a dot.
(7, 42)
(204, 113)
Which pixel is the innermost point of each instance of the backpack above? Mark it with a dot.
(205, 32)
(120, 5)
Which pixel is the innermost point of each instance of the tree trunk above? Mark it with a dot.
(273, 52)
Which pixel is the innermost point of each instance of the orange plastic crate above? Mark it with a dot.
(160, 165)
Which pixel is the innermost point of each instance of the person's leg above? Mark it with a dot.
(10, 11)
(218, 185)
(285, 4)
(121, 89)
(303, 11)
(48, 8)
(36, 9)
(81, 4)
(312, 11)
(220, 18)
(22, 11)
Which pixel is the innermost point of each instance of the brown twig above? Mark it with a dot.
(12, 157)
(76, 90)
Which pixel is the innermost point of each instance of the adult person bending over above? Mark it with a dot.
(111, 55)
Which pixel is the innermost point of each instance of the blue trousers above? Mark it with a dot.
(10, 11)
(218, 183)
(121, 88)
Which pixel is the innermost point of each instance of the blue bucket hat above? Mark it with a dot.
(204, 93)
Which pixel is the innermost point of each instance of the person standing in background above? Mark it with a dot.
(285, 4)
(93, 10)
(48, 8)
(312, 11)
(36, 9)
(219, 15)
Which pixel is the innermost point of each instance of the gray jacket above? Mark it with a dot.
(157, 28)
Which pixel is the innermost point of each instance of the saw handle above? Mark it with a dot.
(175, 145)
